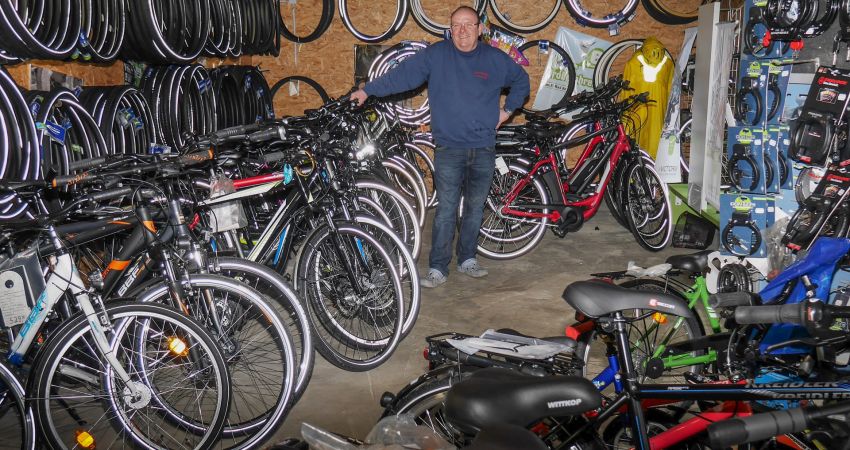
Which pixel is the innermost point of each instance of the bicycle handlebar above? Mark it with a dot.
(763, 426)
(811, 314)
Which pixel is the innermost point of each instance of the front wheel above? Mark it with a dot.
(75, 390)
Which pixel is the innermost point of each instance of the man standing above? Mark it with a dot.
(465, 80)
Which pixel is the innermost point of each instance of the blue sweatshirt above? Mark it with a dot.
(463, 90)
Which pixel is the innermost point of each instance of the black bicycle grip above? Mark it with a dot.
(276, 132)
(110, 194)
(238, 130)
(768, 314)
(85, 164)
(732, 299)
(758, 427)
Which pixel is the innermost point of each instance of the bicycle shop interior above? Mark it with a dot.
(207, 244)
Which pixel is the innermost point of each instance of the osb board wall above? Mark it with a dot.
(330, 59)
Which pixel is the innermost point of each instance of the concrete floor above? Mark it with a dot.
(523, 294)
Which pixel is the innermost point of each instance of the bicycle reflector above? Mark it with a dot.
(85, 440)
(177, 346)
(659, 318)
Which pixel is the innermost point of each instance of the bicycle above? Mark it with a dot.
(95, 367)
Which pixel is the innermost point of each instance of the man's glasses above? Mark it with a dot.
(464, 26)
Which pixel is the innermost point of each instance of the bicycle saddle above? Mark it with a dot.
(595, 298)
(695, 262)
(497, 396)
(506, 437)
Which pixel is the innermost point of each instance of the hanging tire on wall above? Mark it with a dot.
(298, 79)
(324, 23)
(613, 21)
(550, 57)
(534, 25)
(434, 27)
(394, 28)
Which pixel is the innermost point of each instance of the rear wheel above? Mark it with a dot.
(648, 207)
(508, 237)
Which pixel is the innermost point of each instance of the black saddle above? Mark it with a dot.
(695, 262)
(500, 396)
(595, 298)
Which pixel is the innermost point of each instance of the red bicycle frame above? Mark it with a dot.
(588, 205)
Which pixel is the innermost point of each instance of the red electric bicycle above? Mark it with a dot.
(535, 190)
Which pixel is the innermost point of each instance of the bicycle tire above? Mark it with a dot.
(416, 175)
(566, 62)
(499, 230)
(422, 161)
(298, 78)
(425, 398)
(277, 289)
(325, 21)
(396, 172)
(394, 28)
(404, 263)
(431, 26)
(664, 15)
(611, 21)
(391, 200)
(46, 369)
(15, 411)
(505, 19)
(248, 360)
(338, 344)
(652, 228)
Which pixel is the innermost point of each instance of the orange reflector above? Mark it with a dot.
(177, 346)
(659, 318)
(85, 440)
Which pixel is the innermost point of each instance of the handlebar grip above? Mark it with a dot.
(85, 164)
(70, 180)
(110, 194)
(758, 427)
(196, 157)
(732, 299)
(277, 132)
(768, 314)
(234, 131)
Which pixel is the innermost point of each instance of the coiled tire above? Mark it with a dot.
(432, 26)
(557, 60)
(323, 95)
(324, 23)
(392, 30)
(506, 19)
(612, 21)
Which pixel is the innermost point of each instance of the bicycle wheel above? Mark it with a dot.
(418, 188)
(425, 398)
(508, 237)
(404, 218)
(406, 182)
(17, 425)
(525, 20)
(676, 12)
(354, 296)
(77, 395)
(423, 163)
(648, 207)
(285, 302)
(548, 61)
(256, 347)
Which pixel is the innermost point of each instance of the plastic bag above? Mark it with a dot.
(391, 433)
(225, 216)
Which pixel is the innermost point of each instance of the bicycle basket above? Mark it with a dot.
(692, 231)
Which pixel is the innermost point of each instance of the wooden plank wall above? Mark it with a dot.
(330, 59)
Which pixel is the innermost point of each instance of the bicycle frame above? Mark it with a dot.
(64, 277)
(576, 182)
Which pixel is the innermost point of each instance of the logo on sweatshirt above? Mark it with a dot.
(482, 75)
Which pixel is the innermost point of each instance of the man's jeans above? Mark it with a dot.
(467, 172)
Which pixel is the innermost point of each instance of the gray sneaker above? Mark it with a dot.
(433, 279)
(472, 268)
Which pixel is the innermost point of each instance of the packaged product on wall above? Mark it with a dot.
(742, 219)
(745, 162)
(815, 132)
